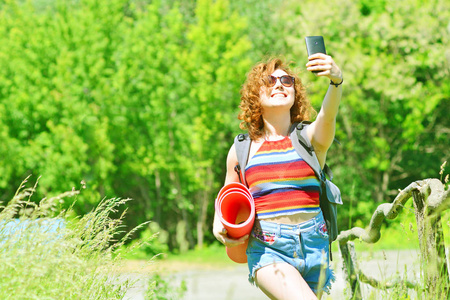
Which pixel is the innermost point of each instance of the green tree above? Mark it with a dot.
(216, 64)
(392, 121)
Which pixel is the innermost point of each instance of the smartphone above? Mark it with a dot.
(315, 44)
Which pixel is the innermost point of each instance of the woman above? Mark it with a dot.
(288, 249)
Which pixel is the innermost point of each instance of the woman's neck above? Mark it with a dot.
(276, 127)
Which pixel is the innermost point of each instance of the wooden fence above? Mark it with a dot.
(430, 199)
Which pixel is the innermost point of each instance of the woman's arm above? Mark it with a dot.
(231, 176)
(321, 131)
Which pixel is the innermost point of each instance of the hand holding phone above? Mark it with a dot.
(315, 44)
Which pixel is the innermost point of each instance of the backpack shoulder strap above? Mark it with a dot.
(242, 146)
(303, 146)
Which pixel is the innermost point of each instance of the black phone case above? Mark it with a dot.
(315, 44)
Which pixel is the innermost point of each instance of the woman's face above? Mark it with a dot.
(280, 95)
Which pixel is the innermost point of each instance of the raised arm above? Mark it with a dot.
(321, 131)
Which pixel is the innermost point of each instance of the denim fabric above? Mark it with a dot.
(304, 246)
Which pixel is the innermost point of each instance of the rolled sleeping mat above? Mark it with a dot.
(236, 210)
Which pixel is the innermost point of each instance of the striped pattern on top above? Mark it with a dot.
(281, 182)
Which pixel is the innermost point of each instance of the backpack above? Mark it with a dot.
(330, 195)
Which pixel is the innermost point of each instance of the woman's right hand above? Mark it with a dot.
(222, 236)
(231, 176)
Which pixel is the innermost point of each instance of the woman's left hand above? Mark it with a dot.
(324, 65)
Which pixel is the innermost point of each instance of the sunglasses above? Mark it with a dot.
(285, 80)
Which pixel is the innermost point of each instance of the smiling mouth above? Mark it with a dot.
(282, 94)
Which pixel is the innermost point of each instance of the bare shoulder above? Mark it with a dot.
(232, 156)
(232, 161)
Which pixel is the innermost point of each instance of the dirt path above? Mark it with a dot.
(230, 283)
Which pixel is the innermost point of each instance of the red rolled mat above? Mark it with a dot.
(236, 210)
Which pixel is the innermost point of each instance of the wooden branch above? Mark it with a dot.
(385, 210)
(438, 198)
(351, 269)
(396, 281)
(430, 199)
(438, 201)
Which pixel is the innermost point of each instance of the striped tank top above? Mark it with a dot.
(281, 182)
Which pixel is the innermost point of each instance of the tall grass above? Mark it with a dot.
(46, 254)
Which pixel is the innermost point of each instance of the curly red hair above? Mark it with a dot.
(251, 112)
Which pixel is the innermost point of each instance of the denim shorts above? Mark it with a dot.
(304, 246)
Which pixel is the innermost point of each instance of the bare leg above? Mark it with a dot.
(281, 281)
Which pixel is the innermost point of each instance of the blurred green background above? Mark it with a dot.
(139, 99)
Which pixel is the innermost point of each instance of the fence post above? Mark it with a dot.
(432, 248)
(350, 266)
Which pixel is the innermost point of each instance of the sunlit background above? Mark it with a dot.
(139, 99)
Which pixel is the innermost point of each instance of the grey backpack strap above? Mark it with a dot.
(327, 171)
(242, 146)
(330, 195)
(303, 146)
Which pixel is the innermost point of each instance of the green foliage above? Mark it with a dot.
(126, 96)
(392, 122)
(139, 98)
(163, 289)
(50, 255)
(211, 255)
(151, 242)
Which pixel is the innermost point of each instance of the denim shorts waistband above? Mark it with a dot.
(304, 226)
